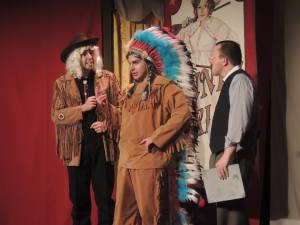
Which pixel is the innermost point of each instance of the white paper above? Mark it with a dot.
(218, 190)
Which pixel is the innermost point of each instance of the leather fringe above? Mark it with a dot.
(68, 145)
(153, 101)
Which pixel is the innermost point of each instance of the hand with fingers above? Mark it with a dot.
(102, 99)
(221, 167)
(99, 126)
(222, 163)
(89, 104)
(148, 142)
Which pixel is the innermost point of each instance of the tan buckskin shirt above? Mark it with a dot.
(162, 116)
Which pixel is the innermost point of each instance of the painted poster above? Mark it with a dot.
(200, 24)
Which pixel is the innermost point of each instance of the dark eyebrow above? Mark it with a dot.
(136, 61)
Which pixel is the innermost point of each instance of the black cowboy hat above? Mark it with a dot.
(78, 41)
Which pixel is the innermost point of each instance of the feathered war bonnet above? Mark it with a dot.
(167, 53)
(171, 59)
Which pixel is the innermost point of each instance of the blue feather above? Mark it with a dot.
(181, 218)
(170, 58)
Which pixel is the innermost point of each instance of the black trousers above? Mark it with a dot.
(93, 170)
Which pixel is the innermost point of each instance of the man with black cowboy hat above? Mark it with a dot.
(86, 128)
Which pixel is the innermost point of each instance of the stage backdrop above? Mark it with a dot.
(229, 20)
(33, 189)
(226, 22)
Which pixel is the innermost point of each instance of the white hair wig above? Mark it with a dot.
(73, 65)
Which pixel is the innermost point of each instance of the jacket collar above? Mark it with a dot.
(69, 76)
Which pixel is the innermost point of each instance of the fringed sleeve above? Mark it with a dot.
(66, 115)
(179, 115)
(108, 84)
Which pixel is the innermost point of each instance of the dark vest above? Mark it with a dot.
(219, 126)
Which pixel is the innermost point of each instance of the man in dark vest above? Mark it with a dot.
(232, 135)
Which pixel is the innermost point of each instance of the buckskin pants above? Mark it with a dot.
(142, 197)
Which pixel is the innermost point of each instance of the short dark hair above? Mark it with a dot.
(210, 5)
(231, 50)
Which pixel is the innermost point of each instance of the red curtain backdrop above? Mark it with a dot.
(33, 189)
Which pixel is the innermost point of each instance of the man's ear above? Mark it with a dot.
(225, 61)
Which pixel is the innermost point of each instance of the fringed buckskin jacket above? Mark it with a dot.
(162, 117)
(67, 116)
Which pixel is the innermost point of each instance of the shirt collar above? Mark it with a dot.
(231, 72)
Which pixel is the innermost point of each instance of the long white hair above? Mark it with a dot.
(73, 61)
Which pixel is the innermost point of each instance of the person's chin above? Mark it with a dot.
(214, 73)
(203, 18)
(134, 77)
(90, 67)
